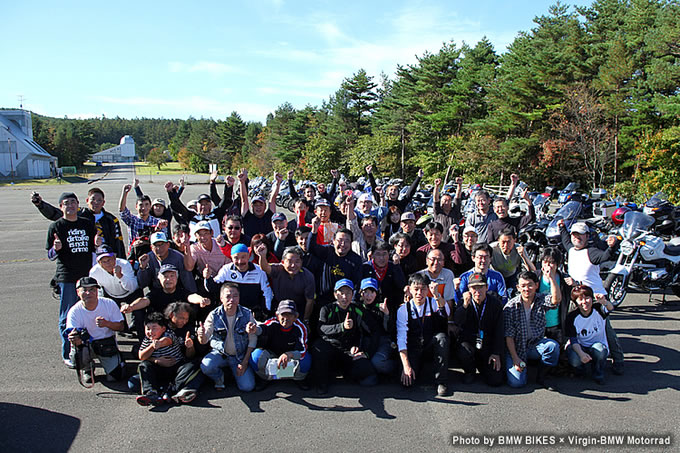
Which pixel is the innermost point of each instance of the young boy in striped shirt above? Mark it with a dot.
(163, 365)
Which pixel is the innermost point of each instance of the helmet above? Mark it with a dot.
(617, 215)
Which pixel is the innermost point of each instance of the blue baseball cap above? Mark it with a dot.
(239, 248)
(369, 283)
(344, 282)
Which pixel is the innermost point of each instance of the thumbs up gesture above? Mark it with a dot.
(206, 272)
(188, 341)
(200, 332)
(348, 324)
(98, 240)
(57, 242)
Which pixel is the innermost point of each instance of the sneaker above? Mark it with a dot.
(148, 399)
(442, 390)
(69, 364)
(87, 377)
(185, 396)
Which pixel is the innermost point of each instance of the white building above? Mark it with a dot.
(20, 156)
(125, 152)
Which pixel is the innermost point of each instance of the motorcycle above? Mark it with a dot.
(645, 261)
(664, 214)
(566, 194)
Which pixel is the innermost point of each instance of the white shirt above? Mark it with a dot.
(114, 286)
(80, 317)
(416, 311)
(582, 270)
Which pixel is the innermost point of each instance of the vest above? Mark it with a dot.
(220, 331)
(421, 330)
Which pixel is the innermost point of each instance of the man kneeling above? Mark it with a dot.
(94, 321)
(231, 330)
(283, 352)
(422, 324)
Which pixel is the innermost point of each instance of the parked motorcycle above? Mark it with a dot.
(664, 214)
(645, 261)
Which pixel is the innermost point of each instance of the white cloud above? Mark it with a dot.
(208, 67)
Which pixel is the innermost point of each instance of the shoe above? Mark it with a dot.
(184, 396)
(69, 364)
(219, 387)
(87, 377)
(468, 378)
(442, 390)
(303, 384)
(148, 399)
(617, 368)
(322, 389)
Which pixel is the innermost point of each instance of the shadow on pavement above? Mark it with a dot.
(27, 429)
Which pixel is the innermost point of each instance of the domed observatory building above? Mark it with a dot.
(125, 152)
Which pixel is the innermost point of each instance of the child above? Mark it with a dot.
(587, 332)
(341, 328)
(162, 361)
(377, 343)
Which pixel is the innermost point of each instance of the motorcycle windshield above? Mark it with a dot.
(572, 186)
(539, 200)
(658, 199)
(568, 211)
(635, 223)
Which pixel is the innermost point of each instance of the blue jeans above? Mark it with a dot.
(67, 299)
(546, 350)
(597, 351)
(260, 356)
(212, 365)
(381, 360)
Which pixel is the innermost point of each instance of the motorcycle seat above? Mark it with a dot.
(672, 250)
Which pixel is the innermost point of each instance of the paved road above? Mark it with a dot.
(43, 408)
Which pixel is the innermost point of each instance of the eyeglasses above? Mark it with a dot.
(233, 227)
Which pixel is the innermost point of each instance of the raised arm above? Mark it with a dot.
(514, 180)
(176, 205)
(291, 186)
(138, 190)
(414, 186)
(122, 204)
(278, 179)
(245, 202)
(47, 210)
(371, 180)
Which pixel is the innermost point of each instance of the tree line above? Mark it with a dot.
(589, 94)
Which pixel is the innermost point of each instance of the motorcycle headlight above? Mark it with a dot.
(626, 247)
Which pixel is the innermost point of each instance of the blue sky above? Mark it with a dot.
(174, 59)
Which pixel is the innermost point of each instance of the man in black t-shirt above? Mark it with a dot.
(259, 220)
(70, 242)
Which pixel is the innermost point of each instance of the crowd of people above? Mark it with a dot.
(226, 287)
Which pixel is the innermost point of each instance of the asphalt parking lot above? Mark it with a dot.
(43, 408)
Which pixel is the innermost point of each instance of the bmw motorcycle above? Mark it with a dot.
(645, 261)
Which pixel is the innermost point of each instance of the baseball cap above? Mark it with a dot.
(278, 216)
(321, 202)
(580, 228)
(469, 229)
(477, 279)
(159, 201)
(286, 306)
(408, 216)
(158, 237)
(192, 203)
(369, 283)
(167, 267)
(203, 196)
(259, 198)
(87, 282)
(66, 195)
(202, 225)
(239, 248)
(103, 251)
(365, 197)
(343, 282)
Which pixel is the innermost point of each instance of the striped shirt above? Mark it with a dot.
(174, 350)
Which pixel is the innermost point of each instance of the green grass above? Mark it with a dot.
(170, 168)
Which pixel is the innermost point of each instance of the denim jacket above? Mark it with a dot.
(219, 336)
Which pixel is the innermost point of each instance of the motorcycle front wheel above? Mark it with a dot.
(616, 288)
